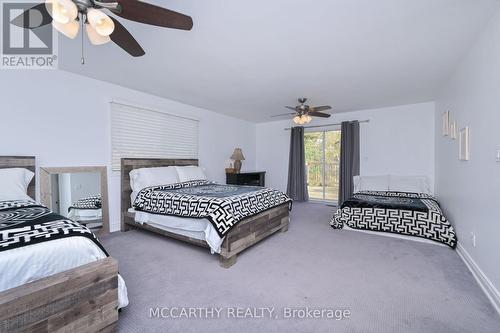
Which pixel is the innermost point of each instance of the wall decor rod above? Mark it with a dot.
(328, 125)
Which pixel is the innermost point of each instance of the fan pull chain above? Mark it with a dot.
(83, 25)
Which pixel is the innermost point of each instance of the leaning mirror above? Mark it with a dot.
(78, 193)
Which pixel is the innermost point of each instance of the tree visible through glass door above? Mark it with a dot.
(322, 150)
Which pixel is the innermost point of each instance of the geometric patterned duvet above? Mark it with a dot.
(412, 214)
(222, 205)
(93, 202)
(25, 222)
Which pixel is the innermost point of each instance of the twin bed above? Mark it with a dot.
(394, 205)
(55, 275)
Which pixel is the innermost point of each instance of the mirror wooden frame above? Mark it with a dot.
(46, 188)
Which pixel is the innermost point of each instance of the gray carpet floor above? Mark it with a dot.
(387, 284)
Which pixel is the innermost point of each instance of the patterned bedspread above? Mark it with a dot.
(24, 222)
(412, 214)
(93, 202)
(223, 205)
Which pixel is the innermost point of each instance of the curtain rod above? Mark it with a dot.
(328, 125)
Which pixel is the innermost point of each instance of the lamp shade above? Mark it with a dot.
(237, 155)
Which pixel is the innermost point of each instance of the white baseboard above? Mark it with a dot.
(488, 287)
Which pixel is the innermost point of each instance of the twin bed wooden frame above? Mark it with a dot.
(242, 236)
(82, 299)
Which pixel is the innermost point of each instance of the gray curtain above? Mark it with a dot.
(297, 177)
(349, 158)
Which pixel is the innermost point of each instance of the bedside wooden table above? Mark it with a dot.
(257, 178)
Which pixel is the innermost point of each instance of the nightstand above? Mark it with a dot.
(257, 178)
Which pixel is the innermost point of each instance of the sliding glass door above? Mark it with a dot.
(322, 164)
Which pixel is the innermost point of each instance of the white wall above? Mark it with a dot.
(397, 140)
(85, 184)
(63, 119)
(470, 191)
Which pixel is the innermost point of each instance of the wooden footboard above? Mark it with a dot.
(246, 233)
(251, 231)
(83, 299)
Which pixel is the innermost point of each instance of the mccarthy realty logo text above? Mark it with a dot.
(248, 313)
(28, 40)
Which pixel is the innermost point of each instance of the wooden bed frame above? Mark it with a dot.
(82, 299)
(242, 236)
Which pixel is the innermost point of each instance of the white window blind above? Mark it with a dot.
(142, 133)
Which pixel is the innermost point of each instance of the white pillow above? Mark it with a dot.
(373, 183)
(14, 183)
(146, 177)
(416, 184)
(191, 172)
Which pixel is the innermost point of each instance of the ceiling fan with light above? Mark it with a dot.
(67, 16)
(304, 113)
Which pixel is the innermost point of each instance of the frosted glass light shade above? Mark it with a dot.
(62, 11)
(69, 30)
(101, 22)
(94, 37)
(301, 120)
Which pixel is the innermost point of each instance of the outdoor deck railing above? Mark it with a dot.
(315, 174)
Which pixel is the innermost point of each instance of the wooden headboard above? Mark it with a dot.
(129, 164)
(26, 162)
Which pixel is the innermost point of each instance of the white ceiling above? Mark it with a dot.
(250, 58)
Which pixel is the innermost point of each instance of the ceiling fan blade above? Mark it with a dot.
(291, 108)
(320, 108)
(33, 18)
(284, 114)
(125, 40)
(319, 114)
(150, 14)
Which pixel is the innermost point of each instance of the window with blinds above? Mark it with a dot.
(142, 133)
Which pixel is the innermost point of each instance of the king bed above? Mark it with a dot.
(55, 273)
(227, 219)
